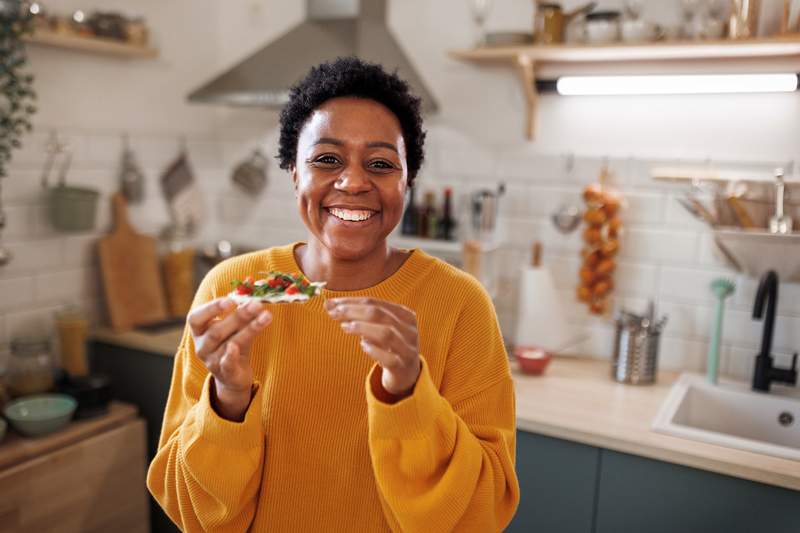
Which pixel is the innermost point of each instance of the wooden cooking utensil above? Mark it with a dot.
(130, 271)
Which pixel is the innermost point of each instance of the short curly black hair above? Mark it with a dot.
(351, 76)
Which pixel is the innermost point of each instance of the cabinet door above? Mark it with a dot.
(93, 486)
(638, 494)
(557, 481)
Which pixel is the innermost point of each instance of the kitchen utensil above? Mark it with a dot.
(566, 218)
(602, 27)
(636, 345)
(698, 209)
(485, 208)
(130, 273)
(251, 174)
(131, 177)
(721, 289)
(40, 414)
(744, 19)
(71, 209)
(742, 216)
(780, 223)
(92, 392)
(181, 191)
(480, 12)
(550, 21)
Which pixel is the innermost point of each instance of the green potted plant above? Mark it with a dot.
(17, 96)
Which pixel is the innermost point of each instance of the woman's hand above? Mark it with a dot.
(388, 334)
(223, 344)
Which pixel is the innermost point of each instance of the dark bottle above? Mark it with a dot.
(428, 219)
(409, 225)
(447, 224)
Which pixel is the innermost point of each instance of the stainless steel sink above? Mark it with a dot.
(730, 414)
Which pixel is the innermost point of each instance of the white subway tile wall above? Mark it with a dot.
(666, 255)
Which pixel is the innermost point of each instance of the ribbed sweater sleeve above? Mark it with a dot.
(444, 459)
(206, 474)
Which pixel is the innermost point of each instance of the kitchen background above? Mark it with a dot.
(592, 454)
(475, 140)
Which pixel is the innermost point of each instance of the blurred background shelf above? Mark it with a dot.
(93, 45)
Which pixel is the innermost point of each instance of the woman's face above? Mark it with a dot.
(350, 175)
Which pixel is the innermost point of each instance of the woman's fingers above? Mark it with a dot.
(220, 331)
(200, 318)
(401, 312)
(385, 358)
(243, 338)
(381, 336)
(379, 314)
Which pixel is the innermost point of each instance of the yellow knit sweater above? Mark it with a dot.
(317, 451)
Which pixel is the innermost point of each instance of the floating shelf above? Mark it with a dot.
(94, 45)
(530, 61)
(756, 251)
(714, 174)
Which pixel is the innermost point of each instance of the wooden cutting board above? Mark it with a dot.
(131, 275)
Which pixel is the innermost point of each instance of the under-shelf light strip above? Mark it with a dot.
(676, 84)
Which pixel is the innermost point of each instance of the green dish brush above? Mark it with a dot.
(722, 288)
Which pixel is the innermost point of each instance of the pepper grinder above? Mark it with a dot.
(780, 223)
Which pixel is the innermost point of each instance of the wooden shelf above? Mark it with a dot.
(94, 45)
(529, 60)
(714, 174)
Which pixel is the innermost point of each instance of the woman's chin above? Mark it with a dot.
(351, 247)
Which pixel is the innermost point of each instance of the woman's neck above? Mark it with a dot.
(318, 264)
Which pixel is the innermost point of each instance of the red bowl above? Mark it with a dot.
(532, 360)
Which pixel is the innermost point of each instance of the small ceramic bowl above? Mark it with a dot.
(40, 414)
(532, 360)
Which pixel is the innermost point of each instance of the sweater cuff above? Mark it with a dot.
(411, 417)
(245, 434)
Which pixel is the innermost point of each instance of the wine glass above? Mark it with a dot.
(480, 12)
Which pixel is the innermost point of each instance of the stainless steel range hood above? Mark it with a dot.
(333, 28)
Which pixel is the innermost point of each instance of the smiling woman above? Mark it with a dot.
(387, 404)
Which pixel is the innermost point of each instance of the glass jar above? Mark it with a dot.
(30, 367)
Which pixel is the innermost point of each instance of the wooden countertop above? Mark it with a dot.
(15, 449)
(577, 400)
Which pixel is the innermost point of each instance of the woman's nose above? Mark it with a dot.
(353, 181)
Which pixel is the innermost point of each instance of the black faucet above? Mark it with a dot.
(765, 373)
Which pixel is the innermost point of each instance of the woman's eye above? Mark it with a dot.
(327, 160)
(381, 165)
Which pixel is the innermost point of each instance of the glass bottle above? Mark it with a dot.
(30, 367)
(409, 226)
(447, 224)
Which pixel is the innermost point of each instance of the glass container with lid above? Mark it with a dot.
(30, 366)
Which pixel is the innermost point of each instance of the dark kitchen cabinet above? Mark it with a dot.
(568, 487)
(637, 494)
(558, 481)
(141, 378)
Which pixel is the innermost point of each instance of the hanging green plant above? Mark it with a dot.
(17, 96)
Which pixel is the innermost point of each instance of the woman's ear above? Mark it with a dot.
(293, 171)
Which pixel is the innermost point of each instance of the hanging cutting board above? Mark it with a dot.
(131, 275)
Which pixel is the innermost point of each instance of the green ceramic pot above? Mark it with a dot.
(40, 414)
(72, 208)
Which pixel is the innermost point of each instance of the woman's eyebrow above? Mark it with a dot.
(373, 144)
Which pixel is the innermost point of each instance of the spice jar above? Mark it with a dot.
(30, 367)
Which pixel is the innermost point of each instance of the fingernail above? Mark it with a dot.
(263, 318)
(347, 326)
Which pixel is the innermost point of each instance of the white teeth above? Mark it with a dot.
(350, 214)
